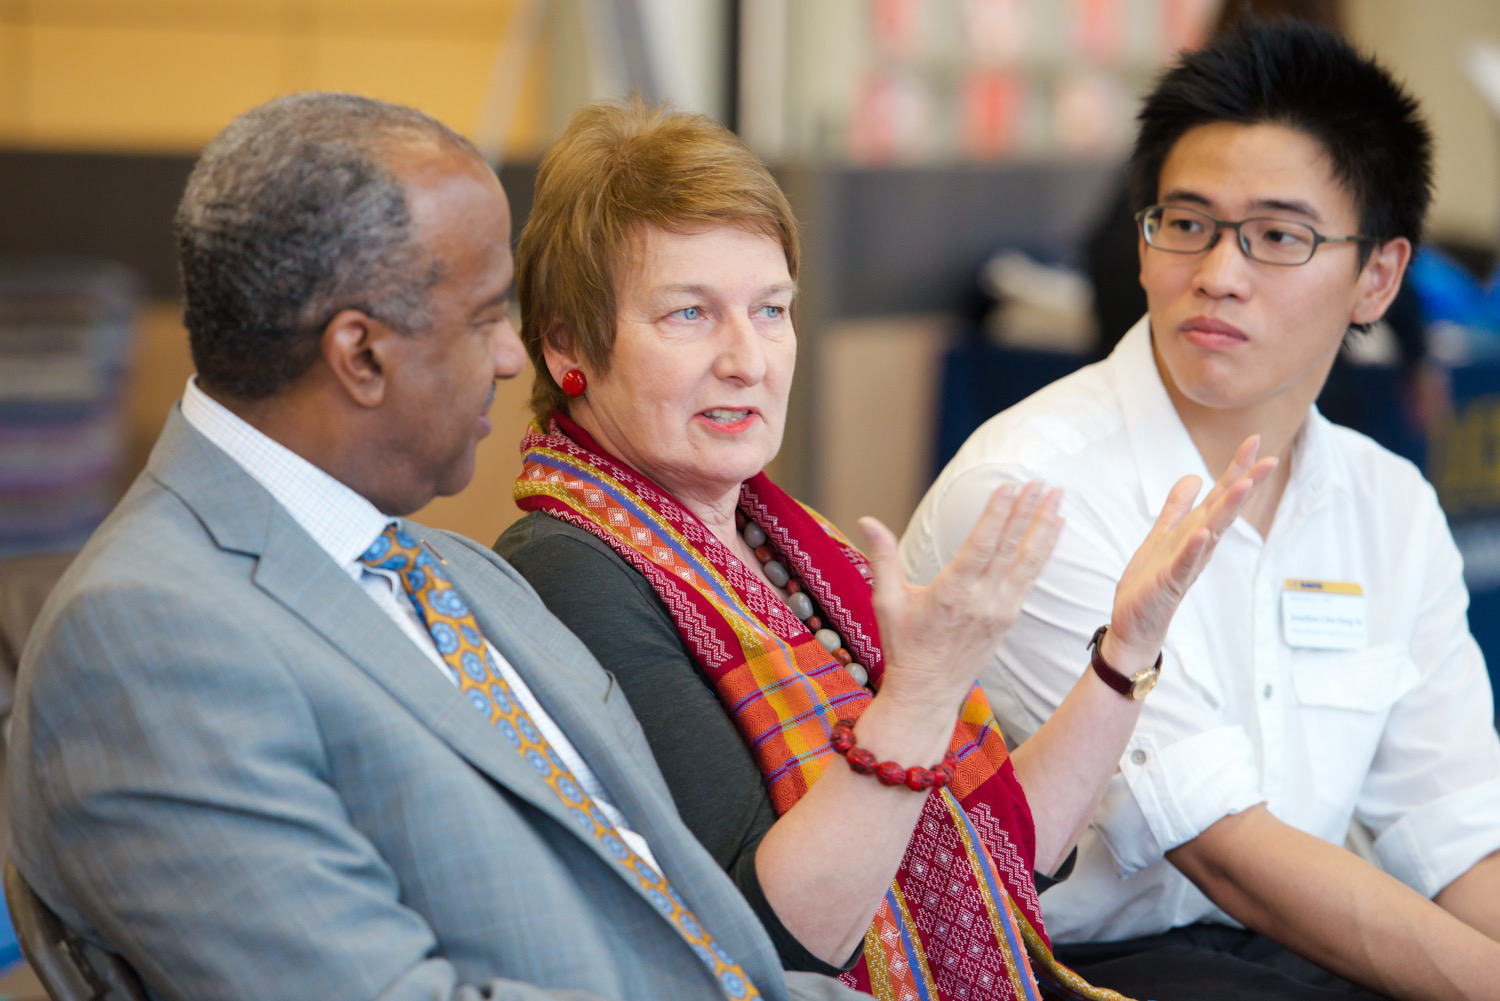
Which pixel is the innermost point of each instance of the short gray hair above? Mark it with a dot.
(290, 216)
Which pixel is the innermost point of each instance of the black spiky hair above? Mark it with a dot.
(1307, 78)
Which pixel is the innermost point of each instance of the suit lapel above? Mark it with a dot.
(243, 517)
(327, 599)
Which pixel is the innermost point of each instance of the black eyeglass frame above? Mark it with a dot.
(1239, 236)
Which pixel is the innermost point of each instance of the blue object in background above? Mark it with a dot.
(1449, 293)
(1465, 469)
(10, 948)
(980, 380)
(1463, 322)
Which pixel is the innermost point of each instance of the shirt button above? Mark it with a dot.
(1138, 756)
(1267, 691)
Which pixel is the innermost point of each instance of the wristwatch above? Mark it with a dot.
(1134, 686)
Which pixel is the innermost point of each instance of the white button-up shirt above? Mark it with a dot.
(344, 524)
(1399, 733)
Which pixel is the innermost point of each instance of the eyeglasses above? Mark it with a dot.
(1179, 230)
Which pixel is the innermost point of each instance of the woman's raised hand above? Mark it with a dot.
(1175, 551)
(938, 638)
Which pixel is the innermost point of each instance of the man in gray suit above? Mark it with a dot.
(246, 754)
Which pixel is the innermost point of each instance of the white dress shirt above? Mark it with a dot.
(344, 524)
(1399, 732)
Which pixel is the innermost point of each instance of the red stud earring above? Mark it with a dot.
(574, 383)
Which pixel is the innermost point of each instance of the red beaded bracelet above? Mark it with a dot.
(861, 761)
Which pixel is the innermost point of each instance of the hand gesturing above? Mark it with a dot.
(1175, 551)
(937, 638)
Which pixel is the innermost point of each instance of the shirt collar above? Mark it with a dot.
(1164, 451)
(342, 522)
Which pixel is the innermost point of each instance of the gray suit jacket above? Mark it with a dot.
(229, 766)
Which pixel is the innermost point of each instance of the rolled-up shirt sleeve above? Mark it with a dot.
(1179, 790)
(1432, 795)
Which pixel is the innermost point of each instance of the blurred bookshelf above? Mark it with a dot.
(931, 82)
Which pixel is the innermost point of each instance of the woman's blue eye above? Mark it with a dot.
(690, 312)
(774, 312)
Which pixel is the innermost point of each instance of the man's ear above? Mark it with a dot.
(359, 351)
(1380, 280)
(557, 350)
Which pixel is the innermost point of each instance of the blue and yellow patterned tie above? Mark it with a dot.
(456, 635)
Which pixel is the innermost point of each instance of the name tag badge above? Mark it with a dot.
(1323, 614)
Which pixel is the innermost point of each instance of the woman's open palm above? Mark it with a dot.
(938, 638)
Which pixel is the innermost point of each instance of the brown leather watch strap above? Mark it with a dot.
(1132, 688)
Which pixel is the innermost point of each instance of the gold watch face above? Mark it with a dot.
(1141, 684)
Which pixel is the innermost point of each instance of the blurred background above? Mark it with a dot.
(955, 165)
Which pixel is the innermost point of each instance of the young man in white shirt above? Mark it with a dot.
(1321, 670)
